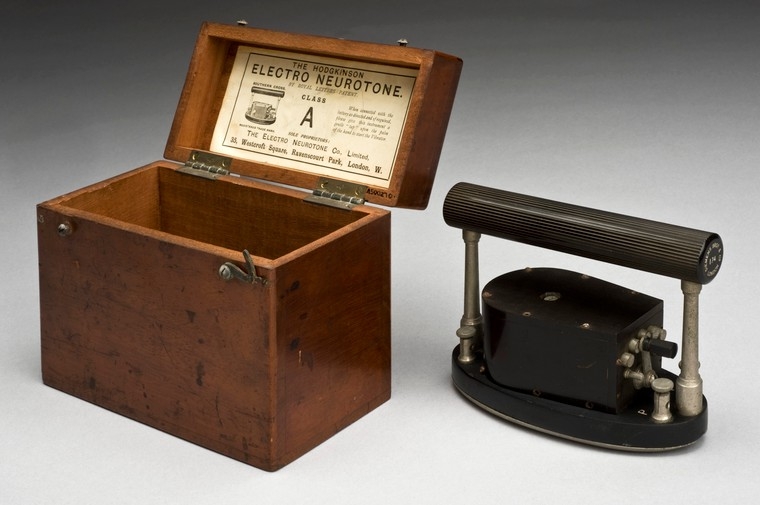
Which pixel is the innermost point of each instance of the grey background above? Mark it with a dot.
(646, 108)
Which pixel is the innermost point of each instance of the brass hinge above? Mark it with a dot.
(206, 165)
(340, 194)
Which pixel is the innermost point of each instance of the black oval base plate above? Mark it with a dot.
(630, 430)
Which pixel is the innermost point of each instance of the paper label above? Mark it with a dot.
(336, 118)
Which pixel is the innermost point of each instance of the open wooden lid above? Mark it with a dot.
(293, 109)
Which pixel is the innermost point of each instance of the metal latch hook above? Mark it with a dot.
(229, 271)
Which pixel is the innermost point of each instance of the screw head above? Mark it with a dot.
(225, 272)
(65, 229)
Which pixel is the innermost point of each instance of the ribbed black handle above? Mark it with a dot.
(660, 248)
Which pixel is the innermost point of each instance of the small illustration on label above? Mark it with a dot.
(262, 108)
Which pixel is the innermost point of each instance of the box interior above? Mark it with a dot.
(234, 216)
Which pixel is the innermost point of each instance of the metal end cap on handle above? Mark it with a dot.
(710, 259)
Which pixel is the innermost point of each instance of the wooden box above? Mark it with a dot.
(244, 316)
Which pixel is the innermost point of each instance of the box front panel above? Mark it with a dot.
(147, 329)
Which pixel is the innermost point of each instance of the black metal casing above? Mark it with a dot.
(558, 334)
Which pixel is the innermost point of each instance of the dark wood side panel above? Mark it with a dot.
(334, 336)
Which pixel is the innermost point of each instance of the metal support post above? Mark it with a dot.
(470, 329)
(689, 383)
